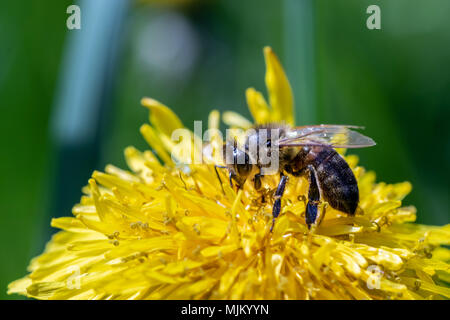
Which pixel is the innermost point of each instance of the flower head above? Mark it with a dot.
(164, 230)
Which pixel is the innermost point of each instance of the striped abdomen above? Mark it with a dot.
(336, 180)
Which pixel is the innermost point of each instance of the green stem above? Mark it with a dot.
(299, 44)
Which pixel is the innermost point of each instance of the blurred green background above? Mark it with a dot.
(198, 55)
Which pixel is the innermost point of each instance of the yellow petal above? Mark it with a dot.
(162, 117)
(233, 119)
(155, 142)
(258, 106)
(213, 119)
(280, 92)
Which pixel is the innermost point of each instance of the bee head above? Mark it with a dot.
(237, 162)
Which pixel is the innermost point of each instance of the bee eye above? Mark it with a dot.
(268, 143)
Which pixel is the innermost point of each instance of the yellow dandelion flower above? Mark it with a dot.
(168, 231)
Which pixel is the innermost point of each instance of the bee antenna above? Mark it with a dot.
(218, 176)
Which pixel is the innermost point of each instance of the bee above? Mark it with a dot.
(302, 151)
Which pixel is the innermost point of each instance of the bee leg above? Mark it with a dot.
(322, 211)
(277, 204)
(231, 179)
(312, 207)
(323, 207)
(257, 181)
(311, 213)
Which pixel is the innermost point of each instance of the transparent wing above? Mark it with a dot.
(335, 136)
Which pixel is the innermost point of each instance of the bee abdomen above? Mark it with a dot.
(336, 180)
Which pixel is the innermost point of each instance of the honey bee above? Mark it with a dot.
(302, 151)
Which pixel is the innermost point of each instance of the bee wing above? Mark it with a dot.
(335, 136)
